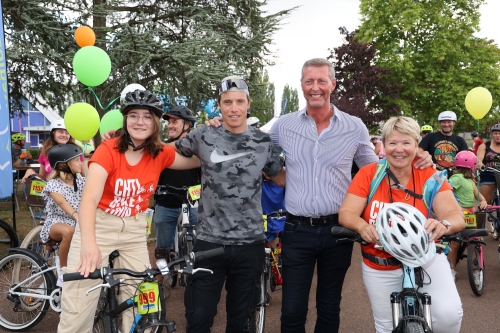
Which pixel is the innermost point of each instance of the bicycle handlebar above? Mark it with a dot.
(461, 236)
(490, 169)
(106, 273)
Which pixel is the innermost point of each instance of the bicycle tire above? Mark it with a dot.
(414, 327)
(475, 269)
(8, 238)
(257, 318)
(102, 321)
(19, 313)
(31, 242)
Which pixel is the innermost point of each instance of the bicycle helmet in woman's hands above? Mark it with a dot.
(495, 127)
(142, 99)
(466, 159)
(402, 233)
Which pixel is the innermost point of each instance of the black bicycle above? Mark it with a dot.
(8, 238)
(149, 301)
(185, 233)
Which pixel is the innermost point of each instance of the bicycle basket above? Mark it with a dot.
(34, 193)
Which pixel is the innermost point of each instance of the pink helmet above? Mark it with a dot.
(466, 159)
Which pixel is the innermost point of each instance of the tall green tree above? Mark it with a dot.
(262, 92)
(179, 47)
(432, 53)
(291, 96)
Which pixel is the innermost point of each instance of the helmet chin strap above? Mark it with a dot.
(131, 143)
(183, 130)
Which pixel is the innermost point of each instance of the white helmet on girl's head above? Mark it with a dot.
(447, 115)
(401, 231)
(57, 124)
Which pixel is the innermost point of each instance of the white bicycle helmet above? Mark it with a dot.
(401, 231)
(57, 124)
(252, 121)
(447, 115)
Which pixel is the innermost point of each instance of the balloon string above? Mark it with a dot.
(99, 102)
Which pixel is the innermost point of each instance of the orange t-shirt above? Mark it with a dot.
(360, 186)
(128, 188)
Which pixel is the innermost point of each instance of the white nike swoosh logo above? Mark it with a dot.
(217, 158)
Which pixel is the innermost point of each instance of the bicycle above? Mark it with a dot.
(495, 201)
(185, 233)
(411, 309)
(28, 286)
(273, 225)
(148, 300)
(8, 238)
(471, 247)
(257, 318)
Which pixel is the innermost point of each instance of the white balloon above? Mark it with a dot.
(129, 88)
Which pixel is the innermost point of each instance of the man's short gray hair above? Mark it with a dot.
(319, 62)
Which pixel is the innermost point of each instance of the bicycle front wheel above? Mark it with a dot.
(414, 327)
(102, 321)
(475, 269)
(257, 319)
(21, 312)
(8, 238)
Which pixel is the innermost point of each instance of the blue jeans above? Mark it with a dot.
(305, 246)
(240, 269)
(166, 222)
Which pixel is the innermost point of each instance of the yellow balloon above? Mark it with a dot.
(478, 102)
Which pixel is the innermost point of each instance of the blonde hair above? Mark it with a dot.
(404, 125)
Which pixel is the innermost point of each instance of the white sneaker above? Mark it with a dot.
(60, 281)
(495, 234)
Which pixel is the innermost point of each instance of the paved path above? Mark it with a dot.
(480, 313)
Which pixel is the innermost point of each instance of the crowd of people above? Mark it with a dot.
(230, 157)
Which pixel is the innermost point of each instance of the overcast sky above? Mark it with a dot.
(312, 29)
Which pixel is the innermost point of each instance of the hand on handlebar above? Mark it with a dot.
(369, 233)
(90, 259)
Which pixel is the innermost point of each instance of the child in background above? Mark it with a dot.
(62, 195)
(465, 189)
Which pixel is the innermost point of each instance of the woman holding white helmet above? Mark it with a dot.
(58, 136)
(363, 207)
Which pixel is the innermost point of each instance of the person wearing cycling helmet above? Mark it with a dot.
(62, 195)
(444, 145)
(18, 142)
(58, 136)
(168, 206)
(382, 273)
(465, 189)
(477, 142)
(253, 122)
(425, 129)
(233, 157)
(122, 177)
(488, 154)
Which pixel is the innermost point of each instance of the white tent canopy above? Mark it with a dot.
(267, 127)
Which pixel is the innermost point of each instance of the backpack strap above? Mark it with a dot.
(431, 188)
(380, 173)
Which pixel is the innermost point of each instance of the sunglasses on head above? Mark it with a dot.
(232, 83)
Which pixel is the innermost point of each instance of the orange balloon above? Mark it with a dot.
(84, 36)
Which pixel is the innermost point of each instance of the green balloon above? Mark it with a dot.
(82, 121)
(112, 120)
(91, 65)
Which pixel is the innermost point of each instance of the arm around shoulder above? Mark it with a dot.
(280, 178)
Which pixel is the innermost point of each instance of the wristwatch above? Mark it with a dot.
(446, 224)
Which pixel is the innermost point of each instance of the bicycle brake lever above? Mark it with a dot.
(203, 270)
(102, 285)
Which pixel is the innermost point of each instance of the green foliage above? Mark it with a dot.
(292, 97)
(180, 47)
(35, 152)
(262, 93)
(431, 51)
